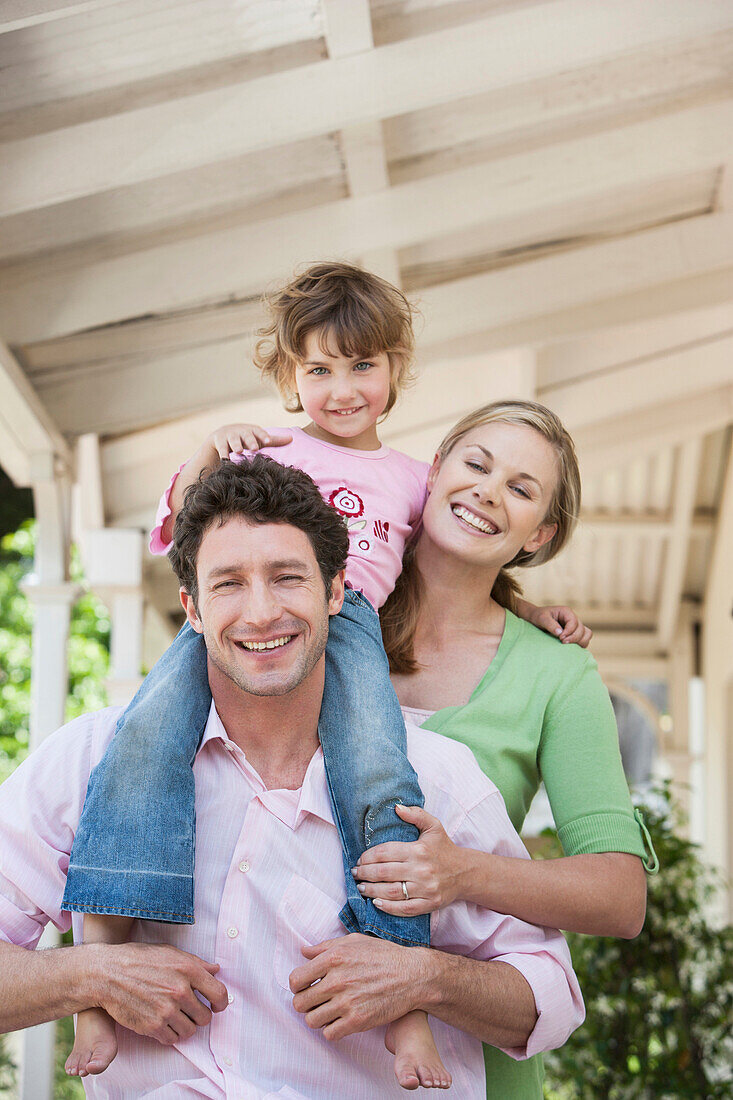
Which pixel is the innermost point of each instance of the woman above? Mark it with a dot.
(504, 490)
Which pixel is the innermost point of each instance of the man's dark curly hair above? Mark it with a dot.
(262, 491)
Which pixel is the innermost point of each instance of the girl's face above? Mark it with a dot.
(344, 397)
(490, 495)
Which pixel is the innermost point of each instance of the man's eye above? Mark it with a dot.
(290, 577)
(225, 584)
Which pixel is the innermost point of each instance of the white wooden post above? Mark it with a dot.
(52, 595)
(113, 562)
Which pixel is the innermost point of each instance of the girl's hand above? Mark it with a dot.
(233, 438)
(430, 866)
(564, 624)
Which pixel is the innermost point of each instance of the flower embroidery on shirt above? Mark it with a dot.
(346, 502)
(381, 529)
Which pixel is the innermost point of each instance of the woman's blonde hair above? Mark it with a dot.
(400, 613)
(348, 307)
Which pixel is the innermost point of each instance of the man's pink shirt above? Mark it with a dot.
(269, 880)
(380, 495)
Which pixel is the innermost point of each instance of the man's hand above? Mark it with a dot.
(151, 988)
(357, 982)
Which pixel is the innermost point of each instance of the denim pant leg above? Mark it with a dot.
(364, 745)
(133, 852)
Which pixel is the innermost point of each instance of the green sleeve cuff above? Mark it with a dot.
(610, 832)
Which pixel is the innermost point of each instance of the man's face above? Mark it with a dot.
(262, 605)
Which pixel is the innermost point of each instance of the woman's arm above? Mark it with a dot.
(603, 894)
(600, 895)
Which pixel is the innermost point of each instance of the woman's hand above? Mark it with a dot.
(431, 866)
(233, 438)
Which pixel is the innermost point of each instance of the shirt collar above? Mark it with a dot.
(291, 807)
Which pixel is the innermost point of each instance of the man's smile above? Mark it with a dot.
(272, 643)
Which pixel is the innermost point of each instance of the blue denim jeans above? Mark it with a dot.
(133, 853)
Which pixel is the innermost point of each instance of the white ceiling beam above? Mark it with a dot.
(241, 260)
(677, 374)
(497, 52)
(687, 470)
(26, 429)
(637, 432)
(16, 15)
(349, 32)
(644, 525)
(586, 288)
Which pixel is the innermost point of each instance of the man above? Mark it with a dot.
(269, 882)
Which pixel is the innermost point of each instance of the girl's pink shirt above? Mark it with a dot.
(380, 495)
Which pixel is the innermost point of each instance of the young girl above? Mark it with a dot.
(339, 348)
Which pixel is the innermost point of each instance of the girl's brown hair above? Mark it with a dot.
(399, 616)
(349, 307)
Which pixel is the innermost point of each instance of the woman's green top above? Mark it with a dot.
(541, 713)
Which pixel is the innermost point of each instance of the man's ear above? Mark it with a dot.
(542, 535)
(336, 598)
(189, 607)
(433, 472)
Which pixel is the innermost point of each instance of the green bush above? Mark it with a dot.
(88, 648)
(659, 1020)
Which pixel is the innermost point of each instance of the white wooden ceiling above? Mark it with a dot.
(549, 180)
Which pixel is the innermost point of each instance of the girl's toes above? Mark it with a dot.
(405, 1072)
(101, 1056)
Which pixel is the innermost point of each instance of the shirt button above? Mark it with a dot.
(232, 932)
(227, 1061)
(244, 866)
(230, 997)
(230, 746)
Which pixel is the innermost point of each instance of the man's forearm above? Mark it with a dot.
(490, 1000)
(37, 986)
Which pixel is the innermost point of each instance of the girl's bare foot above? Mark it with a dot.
(417, 1061)
(95, 1044)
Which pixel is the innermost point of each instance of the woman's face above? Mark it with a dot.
(490, 495)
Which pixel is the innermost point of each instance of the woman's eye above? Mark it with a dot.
(522, 491)
(475, 466)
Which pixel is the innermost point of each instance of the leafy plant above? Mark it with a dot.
(659, 1020)
(88, 648)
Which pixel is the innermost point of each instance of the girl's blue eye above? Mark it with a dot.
(319, 371)
(362, 366)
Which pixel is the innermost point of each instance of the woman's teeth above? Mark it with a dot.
(474, 521)
(268, 645)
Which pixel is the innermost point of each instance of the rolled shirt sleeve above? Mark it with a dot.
(40, 806)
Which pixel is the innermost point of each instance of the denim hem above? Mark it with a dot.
(380, 933)
(145, 895)
(125, 911)
(370, 928)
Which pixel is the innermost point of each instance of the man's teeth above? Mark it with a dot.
(268, 645)
(474, 521)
